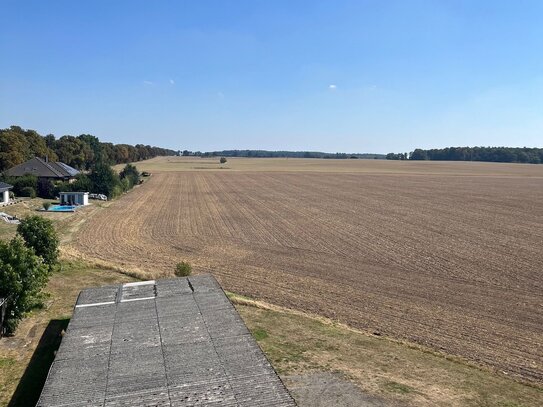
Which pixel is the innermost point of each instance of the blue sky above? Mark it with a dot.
(353, 76)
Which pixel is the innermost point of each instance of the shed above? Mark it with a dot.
(174, 342)
(4, 191)
(74, 198)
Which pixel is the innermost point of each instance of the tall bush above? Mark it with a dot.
(105, 181)
(22, 185)
(28, 192)
(40, 235)
(22, 277)
(130, 173)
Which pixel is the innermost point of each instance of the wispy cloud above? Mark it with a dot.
(332, 87)
(148, 83)
(172, 82)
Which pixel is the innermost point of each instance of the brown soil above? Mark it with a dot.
(450, 261)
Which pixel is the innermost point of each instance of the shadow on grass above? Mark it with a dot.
(29, 388)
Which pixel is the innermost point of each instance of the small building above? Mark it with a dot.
(74, 198)
(44, 169)
(4, 192)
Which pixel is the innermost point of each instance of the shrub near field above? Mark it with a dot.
(445, 255)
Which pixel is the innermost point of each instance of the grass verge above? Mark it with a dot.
(296, 344)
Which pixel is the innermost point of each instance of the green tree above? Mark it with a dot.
(82, 183)
(74, 152)
(40, 235)
(130, 172)
(46, 188)
(20, 183)
(105, 181)
(22, 277)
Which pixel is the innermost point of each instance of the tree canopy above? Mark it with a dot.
(82, 152)
(40, 235)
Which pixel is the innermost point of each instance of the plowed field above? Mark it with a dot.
(451, 259)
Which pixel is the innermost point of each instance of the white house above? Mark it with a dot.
(4, 192)
(74, 198)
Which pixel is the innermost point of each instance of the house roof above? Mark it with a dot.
(176, 342)
(4, 186)
(40, 168)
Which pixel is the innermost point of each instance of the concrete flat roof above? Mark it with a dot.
(176, 342)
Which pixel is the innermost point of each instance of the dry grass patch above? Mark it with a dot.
(298, 344)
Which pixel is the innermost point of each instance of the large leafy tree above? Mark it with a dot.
(18, 145)
(22, 277)
(40, 235)
(74, 151)
(131, 174)
(105, 181)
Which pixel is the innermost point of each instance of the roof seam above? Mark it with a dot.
(111, 343)
(162, 351)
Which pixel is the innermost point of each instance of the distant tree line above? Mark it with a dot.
(281, 154)
(491, 154)
(18, 145)
(397, 156)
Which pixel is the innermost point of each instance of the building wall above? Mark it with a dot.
(77, 199)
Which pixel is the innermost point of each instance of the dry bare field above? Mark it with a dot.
(447, 255)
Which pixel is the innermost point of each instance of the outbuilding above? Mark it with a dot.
(74, 198)
(4, 192)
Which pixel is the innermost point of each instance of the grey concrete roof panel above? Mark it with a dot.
(175, 342)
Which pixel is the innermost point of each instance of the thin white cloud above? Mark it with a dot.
(332, 87)
(148, 83)
(172, 82)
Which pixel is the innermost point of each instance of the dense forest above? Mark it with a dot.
(492, 154)
(283, 154)
(82, 152)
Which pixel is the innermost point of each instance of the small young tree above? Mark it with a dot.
(40, 235)
(183, 269)
(222, 160)
(22, 277)
(46, 205)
